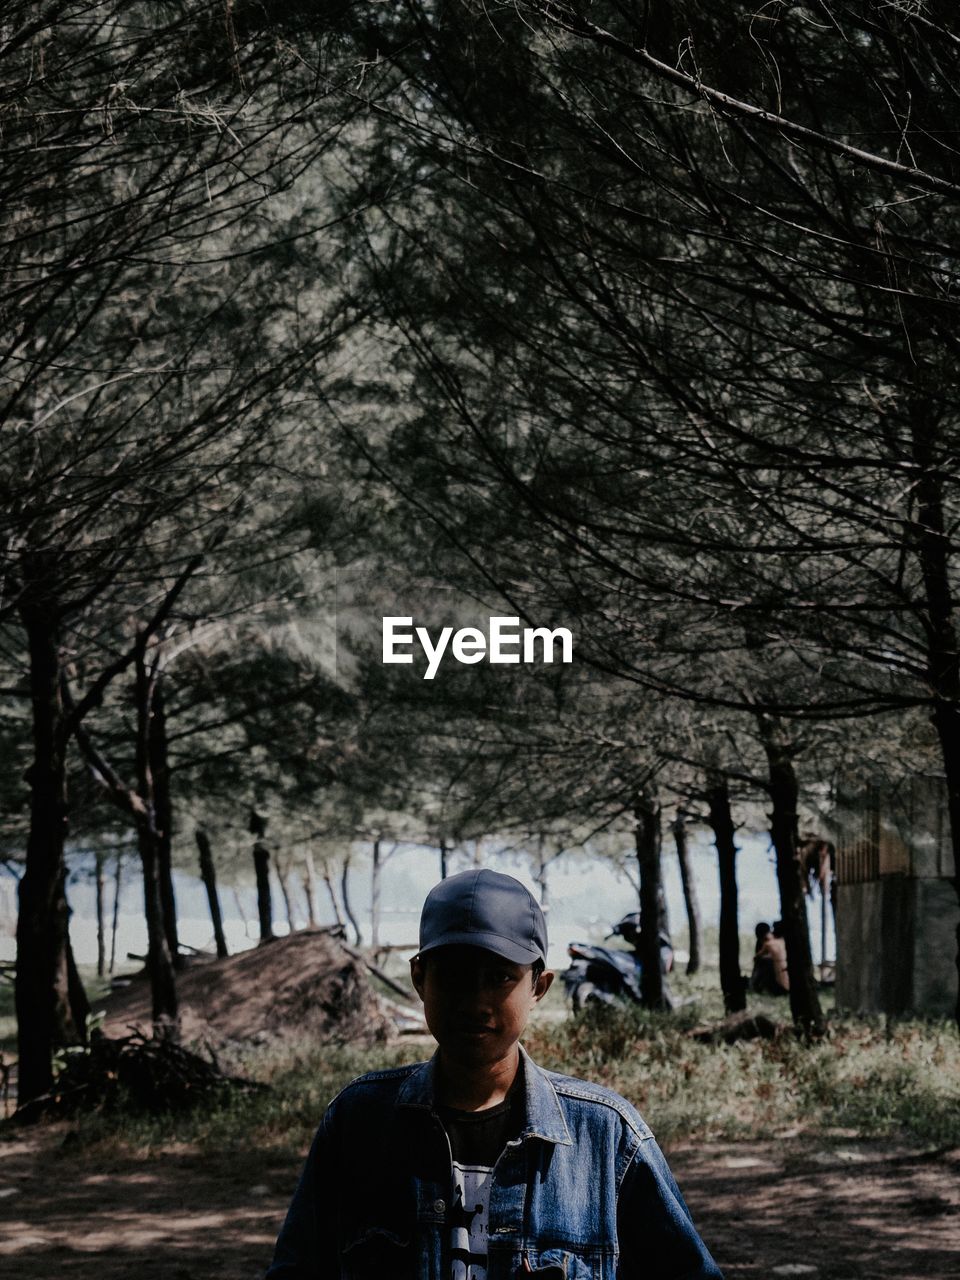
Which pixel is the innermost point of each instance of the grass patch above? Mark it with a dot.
(302, 1081)
(867, 1078)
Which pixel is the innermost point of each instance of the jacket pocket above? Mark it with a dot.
(375, 1253)
(559, 1264)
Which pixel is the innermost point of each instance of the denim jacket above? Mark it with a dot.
(583, 1193)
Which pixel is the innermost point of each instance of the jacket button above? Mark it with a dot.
(439, 1206)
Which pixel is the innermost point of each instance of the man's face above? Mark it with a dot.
(476, 1004)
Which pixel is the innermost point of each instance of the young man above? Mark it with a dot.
(479, 1165)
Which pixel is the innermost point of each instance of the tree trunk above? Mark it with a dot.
(117, 881)
(163, 987)
(946, 718)
(647, 814)
(163, 817)
(208, 874)
(76, 993)
(160, 969)
(690, 900)
(337, 913)
(543, 862)
(238, 903)
(138, 804)
(817, 858)
(933, 546)
(344, 893)
(41, 992)
(261, 866)
(375, 895)
(721, 821)
(444, 859)
(101, 917)
(310, 883)
(784, 830)
(283, 876)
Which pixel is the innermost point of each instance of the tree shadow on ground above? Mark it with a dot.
(830, 1210)
(161, 1217)
(844, 1210)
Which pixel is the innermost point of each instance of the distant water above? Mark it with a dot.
(585, 898)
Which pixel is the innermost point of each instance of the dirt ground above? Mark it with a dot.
(837, 1209)
(828, 1210)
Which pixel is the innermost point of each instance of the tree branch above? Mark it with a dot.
(568, 19)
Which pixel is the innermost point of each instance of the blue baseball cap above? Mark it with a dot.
(484, 908)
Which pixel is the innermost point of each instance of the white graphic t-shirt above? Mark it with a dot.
(467, 1220)
(476, 1140)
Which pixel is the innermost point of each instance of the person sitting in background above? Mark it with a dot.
(763, 979)
(770, 976)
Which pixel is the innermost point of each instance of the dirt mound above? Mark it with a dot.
(305, 986)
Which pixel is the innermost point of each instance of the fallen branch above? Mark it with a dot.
(377, 972)
(135, 1072)
(741, 1026)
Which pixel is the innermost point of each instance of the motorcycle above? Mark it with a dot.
(608, 975)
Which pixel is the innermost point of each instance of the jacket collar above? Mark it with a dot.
(544, 1113)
